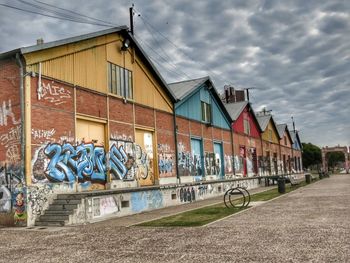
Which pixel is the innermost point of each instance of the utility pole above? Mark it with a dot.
(293, 124)
(131, 13)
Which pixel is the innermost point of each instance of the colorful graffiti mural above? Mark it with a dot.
(13, 193)
(166, 160)
(89, 163)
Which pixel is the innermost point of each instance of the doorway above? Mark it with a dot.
(145, 158)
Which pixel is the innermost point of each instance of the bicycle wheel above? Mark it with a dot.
(239, 200)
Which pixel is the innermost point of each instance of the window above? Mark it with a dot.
(270, 135)
(246, 126)
(120, 81)
(206, 112)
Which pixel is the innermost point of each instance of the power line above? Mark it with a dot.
(178, 48)
(76, 13)
(57, 17)
(41, 8)
(163, 58)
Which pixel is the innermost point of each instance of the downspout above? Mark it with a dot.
(262, 155)
(233, 150)
(21, 90)
(176, 150)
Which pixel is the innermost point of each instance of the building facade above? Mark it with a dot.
(203, 132)
(96, 115)
(271, 163)
(286, 151)
(246, 139)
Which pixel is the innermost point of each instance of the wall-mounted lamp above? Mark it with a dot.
(126, 45)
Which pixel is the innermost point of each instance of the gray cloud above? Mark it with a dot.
(295, 52)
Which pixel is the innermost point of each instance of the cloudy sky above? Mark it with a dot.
(296, 53)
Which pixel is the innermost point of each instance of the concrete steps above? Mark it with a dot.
(57, 214)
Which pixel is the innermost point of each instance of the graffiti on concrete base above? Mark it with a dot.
(145, 200)
(38, 198)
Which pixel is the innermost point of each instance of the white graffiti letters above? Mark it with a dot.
(52, 93)
(43, 134)
(6, 112)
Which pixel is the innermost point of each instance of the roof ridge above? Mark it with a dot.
(183, 81)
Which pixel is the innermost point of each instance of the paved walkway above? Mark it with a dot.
(310, 224)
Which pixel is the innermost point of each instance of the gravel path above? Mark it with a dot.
(311, 224)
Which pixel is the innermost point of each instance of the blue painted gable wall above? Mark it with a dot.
(190, 108)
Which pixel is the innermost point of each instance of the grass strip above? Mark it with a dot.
(207, 214)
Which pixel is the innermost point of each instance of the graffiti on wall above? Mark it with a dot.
(6, 113)
(84, 161)
(103, 206)
(189, 163)
(43, 134)
(53, 93)
(238, 161)
(141, 201)
(212, 164)
(37, 198)
(12, 194)
(228, 159)
(115, 136)
(11, 141)
(89, 163)
(192, 193)
(166, 160)
(128, 161)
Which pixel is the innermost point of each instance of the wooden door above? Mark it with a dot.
(145, 157)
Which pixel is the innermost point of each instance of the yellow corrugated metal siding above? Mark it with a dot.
(85, 64)
(90, 69)
(265, 135)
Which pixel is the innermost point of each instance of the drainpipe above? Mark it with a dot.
(176, 150)
(21, 90)
(233, 150)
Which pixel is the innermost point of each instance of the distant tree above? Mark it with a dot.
(311, 155)
(334, 158)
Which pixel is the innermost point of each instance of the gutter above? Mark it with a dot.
(176, 149)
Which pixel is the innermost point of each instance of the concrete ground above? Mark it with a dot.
(311, 224)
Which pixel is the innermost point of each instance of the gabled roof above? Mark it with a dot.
(282, 128)
(123, 30)
(264, 121)
(235, 109)
(61, 42)
(184, 89)
(295, 137)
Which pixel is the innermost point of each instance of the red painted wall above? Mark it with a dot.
(238, 125)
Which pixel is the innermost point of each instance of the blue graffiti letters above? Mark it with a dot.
(85, 161)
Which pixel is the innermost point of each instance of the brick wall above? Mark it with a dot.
(10, 115)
